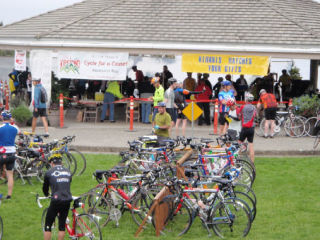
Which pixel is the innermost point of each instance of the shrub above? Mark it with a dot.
(307, 105)
(21, 114)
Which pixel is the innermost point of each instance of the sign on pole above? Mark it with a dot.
(92, 65)
(225, 64)
(20, 60)
(197, 111)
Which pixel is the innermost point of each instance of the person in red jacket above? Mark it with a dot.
(204, 96)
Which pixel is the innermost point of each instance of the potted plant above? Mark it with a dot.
(21, 114)
(307, 105)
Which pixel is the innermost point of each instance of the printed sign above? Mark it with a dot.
(93, 66)
(20, 60)
(225, 64)
(197, 111)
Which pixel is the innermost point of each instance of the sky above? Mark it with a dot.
(16, 10)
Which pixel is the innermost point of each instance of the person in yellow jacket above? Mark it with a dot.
(158, 95)
(12, 87)
(113, 91)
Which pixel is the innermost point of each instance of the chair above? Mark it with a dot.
(136, 112)
(91, 112)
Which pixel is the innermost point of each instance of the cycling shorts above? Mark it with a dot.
(222, 118)
(55, 209)
(172, 113)
(7, 159)
(247, 133)
(270, 113)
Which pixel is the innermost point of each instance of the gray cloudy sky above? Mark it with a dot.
(16, 10)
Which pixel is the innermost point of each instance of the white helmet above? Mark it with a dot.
(248, 96)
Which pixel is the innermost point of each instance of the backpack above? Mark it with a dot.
(43, 95)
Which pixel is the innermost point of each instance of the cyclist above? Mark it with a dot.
(8, 133)
(247, 113)
(59, 180)
(270, 109)
(162, 123)
(226, 99)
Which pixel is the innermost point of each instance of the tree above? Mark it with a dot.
(1, 24)
(294, 72)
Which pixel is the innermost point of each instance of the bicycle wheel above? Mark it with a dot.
(310, 124)
(98, 206)
(316, 141)
(1, 228)
(54, 227)
(177, 222)
(230, 219)
(140, 207)
(69, 161)
(86, 227)
(248, 165)
(36, 168)
(294, 127)
(80, 159)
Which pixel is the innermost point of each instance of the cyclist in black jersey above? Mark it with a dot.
(58, 178)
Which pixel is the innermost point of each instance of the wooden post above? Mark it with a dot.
(61, 110)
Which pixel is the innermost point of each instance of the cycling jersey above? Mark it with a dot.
(59, 179)
(225, 96)
(268, 100)
(8, 134)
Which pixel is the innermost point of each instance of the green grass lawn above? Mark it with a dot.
(287, 192)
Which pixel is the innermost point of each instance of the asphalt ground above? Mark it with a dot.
(113, 137)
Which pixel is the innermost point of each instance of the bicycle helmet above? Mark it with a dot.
(262, 91)
(226, 83)
(248, 96)
(172, 80)
(6, 115)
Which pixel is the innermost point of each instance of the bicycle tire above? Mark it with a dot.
(249, 166)
(86, 227)
(140, 208)
(54, 227)
(38, 168)
(311, 123)
(176, 223)
(1, 228)
(69, 162)
(247, 199)
(98, 206)
(244, 188)
(294, 127)
(230, 219)
(316, 141)
(80, 158)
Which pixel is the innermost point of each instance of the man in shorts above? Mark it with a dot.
(226, 98)
(247, 113)
(269, 103)
(58, 178)
(8, 133)
(40, 108)
(162, 123)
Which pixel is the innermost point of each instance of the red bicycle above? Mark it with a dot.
(81, 226)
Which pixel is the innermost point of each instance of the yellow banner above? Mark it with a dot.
(225, 64)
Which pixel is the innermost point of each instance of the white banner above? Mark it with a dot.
(20, 60)
(92, 65)
(41, 67)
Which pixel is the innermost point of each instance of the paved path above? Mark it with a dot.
(113, 137)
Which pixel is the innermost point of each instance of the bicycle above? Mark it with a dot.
(82, 225)
(293, 125)
(228, 217)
